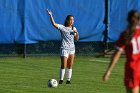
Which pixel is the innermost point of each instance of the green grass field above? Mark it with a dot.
(30, 75)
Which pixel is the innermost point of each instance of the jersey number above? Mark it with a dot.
(136, 45)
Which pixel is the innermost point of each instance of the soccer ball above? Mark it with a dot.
(52, 83)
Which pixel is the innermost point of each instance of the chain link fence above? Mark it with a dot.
(50, 48)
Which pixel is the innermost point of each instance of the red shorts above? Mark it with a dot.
(132, 79)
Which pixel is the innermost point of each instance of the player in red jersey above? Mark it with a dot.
(129, 42)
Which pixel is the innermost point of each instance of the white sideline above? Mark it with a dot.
(104, 61)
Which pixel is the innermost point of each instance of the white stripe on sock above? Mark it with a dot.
(69, 74)
(62, 73)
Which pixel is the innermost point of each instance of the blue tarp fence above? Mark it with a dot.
(27, 22)
(117, 15)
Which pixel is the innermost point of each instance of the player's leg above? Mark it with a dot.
(132, 90)
(62, 69)
(64, 58)
(69, 67)
(70, 61)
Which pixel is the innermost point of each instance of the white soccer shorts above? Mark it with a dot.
(66, 52)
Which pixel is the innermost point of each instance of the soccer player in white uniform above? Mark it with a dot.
(67, 51)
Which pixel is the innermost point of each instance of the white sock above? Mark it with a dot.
(69, 74)
(62, 73)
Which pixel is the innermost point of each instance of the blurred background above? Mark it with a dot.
(26, 30)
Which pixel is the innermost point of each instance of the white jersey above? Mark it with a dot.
(67, 35)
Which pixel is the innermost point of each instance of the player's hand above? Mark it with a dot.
(49, 12)
(106, 76)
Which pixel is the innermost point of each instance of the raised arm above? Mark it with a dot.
(114, 60)
(52, 19)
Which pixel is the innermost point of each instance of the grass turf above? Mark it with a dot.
(31, 75)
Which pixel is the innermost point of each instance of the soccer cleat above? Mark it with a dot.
(68, 82)
(60, 81)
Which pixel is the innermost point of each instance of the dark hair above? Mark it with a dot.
(133, 19)
(67, 20)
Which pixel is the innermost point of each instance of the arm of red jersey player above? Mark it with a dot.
(114, 60)
(52, 19)
(76, 35)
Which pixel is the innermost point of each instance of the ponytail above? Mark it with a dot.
(133, 19)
